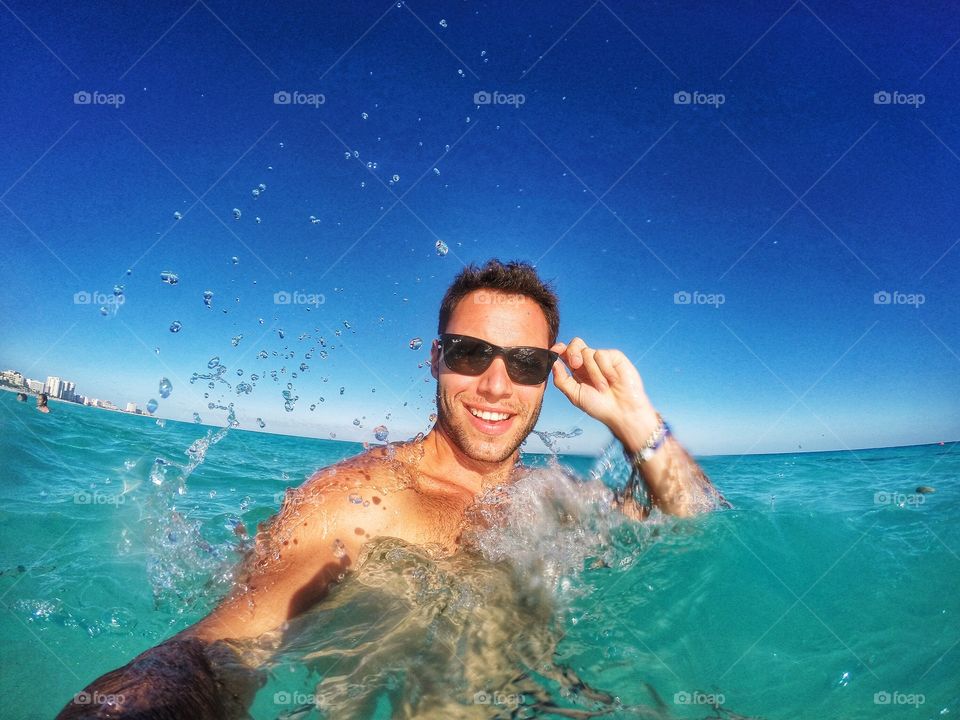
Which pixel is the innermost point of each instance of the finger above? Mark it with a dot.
(593, 370)
(564, 381)
(606, 361)
(574, 353)
(559, 347)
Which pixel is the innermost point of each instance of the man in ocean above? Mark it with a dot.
(497, 346)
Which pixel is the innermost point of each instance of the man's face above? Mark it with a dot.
(504, 320)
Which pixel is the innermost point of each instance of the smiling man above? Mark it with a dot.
(496, 348)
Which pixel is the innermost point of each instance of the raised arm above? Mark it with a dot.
(606, 386)
(305, 549)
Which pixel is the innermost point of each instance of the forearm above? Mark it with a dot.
(676, 483)
(183, 677)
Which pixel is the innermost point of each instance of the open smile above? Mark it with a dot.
(490, 422)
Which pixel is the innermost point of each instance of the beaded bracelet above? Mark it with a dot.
(654, 443)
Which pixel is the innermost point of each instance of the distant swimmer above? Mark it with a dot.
(21, 397)
(42, 403)
(495, 350)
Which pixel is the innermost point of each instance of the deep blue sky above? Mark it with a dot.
(701, 198)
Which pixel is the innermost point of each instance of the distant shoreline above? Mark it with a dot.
(943, 443)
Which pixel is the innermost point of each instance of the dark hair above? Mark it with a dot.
(514, 277)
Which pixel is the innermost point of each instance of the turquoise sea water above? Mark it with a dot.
(829, 591)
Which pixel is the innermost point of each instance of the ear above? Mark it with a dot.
(435, 360)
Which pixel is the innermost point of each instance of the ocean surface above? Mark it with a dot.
(830, 590)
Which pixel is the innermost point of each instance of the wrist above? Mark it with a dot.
(636, 428)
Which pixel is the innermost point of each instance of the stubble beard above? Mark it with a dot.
(495, 450)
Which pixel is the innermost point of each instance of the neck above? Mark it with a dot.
(442, 458)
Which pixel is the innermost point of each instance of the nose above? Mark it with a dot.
(495, 383)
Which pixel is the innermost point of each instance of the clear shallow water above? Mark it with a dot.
(807, 599)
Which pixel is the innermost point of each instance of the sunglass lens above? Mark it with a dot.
(467, 356)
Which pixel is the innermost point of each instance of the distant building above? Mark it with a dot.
(35, 386)
(11, 377)
(69, 391)
(54, 386)
(132, 407)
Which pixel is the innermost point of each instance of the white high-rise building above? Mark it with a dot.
(131, 407)
(35, 385)
(54, 386)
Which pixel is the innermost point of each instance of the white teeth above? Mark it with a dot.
(485, 415)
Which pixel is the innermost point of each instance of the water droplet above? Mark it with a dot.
(255, 192)
(175, 326)
(118, 290)
(213, 362)
(416, 343)
(235, 340)
(177, 215)
(261, 423)
(364, 116)
(356, 421)
(235, 260)
(442, 248)
(257, 220)
(208, 298)
(103, 310)
(236, 213)
(443, 23)
(304, 367)
(280, 333)
(395, 178)
(346, 324)
(341, 390)
(151, 406)
(380, 432)
(436, 171)
(169, 278)
(196, 418)
(433, 417)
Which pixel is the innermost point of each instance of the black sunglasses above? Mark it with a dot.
(472, 356)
